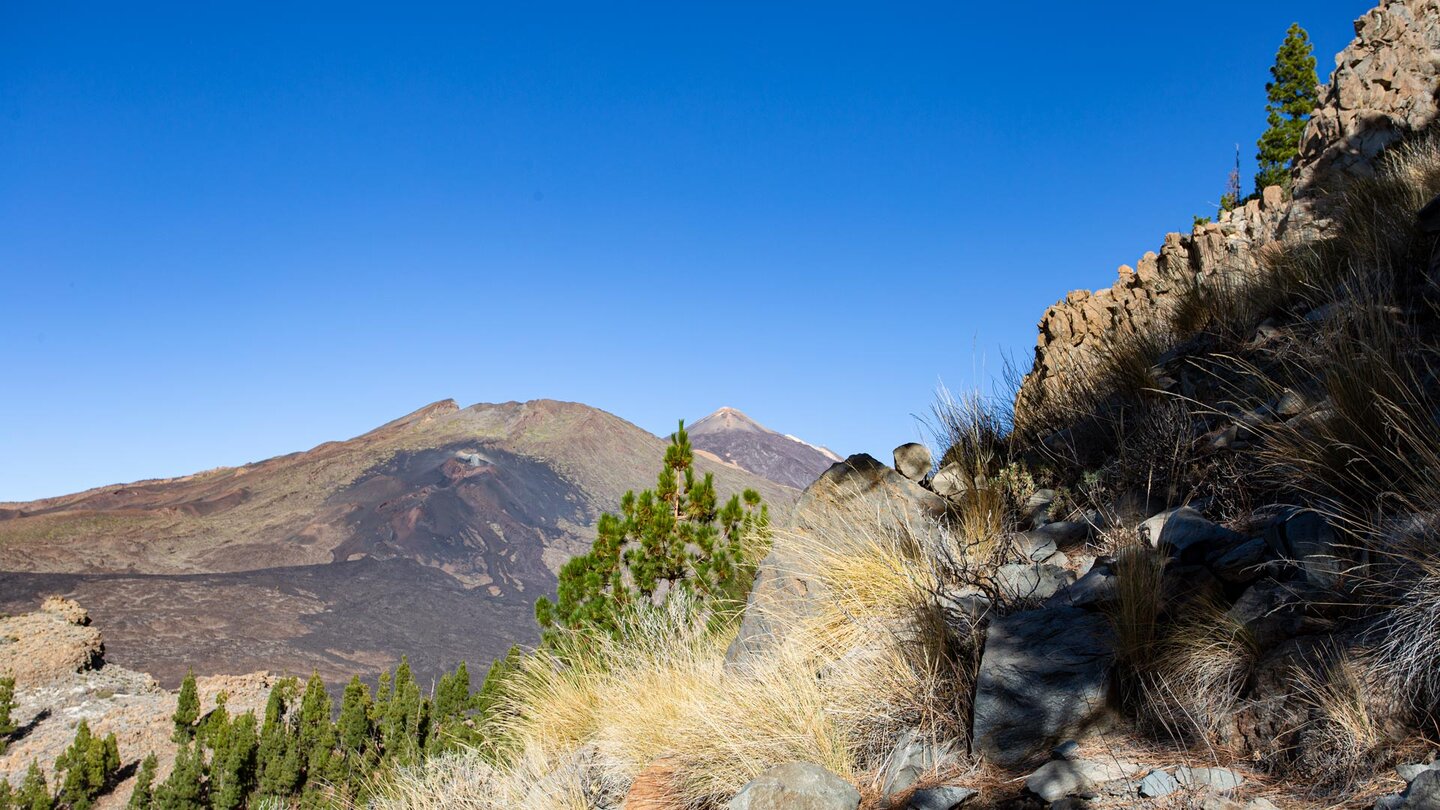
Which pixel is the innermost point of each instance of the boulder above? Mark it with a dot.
(1065, 534)
(941, 798)
(1423, 793)
(1185, 534)
(1017, 581)
(796, 786)
(1097, 588)
(1035, 546)
(1044, 677)
(1036, 509)
(1242, 564)
(1060, 778)
(1158, 783)
(950, 481)
(849, 497)
(913, 461)
(1305, 537)
(913, 756)
(1219, 780)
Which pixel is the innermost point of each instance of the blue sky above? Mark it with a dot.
(232, 232)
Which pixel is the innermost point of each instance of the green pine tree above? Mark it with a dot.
(144, 794)
(279, 763)
(88, 765)
(1292, 95)
(403, 726)
(675, 537)
(187, 709)
(232, 765)
(316, 732)
(34, 793)
(185, 787)
(355, 738)
(7, 707)
(7, 795)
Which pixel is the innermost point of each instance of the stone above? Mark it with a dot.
(1409, 772)
(941, 798)
(1044, 677)
(1242, 564)
(1035, 546)
(1018, 581)
(1060, 778)
(1158, 783)
(950, 481)
(912, 460)
(852, 495)
(1186, 534)
(1260, 803)
(1220, 780)
(1305, 537)
(1066, 534)
(1070, 749)
(1423, 792)
(796, 786)
(913, 756)
(1036, 509)
(1096, 589)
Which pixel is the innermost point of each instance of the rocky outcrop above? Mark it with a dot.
(1383, 87)
(1044, 677)
(49, 645)
(796, 786)
(850, 496)
(61, 675)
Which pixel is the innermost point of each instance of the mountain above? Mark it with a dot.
(430, 536)
(736, 438)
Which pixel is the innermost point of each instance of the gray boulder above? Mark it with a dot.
(950, 481)
(1305, 537)
(796, 786)
(1036, 510)
(1158, 783)
(1241, 564)
(1097, 588)
(1185, 534)
(912, 460)
(1060, 778)
(1423, 793)
(1044, 677)
(913, 756)
(1219, 780)
(1019, 581)
(941, 798)
(1065, 534)
(848, 497)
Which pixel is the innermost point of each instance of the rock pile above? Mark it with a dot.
(1383, 87)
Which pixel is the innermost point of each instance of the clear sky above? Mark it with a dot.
(230, 231)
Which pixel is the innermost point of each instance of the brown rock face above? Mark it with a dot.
(48, 645)
(1383, 87)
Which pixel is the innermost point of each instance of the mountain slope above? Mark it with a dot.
(431, 535)
(749, 445)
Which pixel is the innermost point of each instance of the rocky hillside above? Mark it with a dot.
(1199, 568)
(431, 535)
(749, 445)
(57, 658)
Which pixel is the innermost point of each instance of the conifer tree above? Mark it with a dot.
(88, 766)
(278, 754)
(187, 709)
(7, 795)
(316, 733)
(7, 707)
(355, 736)
(674, 537)
(1292, 95)
(184, 789)
(403, 726)
(34, 793)
(144, 794)
(232, 765)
